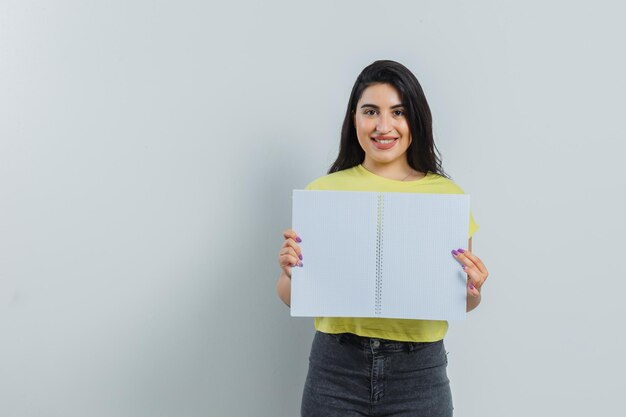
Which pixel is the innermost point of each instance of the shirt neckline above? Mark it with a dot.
(364, 171)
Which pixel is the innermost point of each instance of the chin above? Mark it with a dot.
(387, 160)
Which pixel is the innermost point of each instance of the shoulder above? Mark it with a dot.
(447, 186)
(333, 181)
(444, 185)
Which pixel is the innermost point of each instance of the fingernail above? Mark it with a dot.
(298, 239)
(301, 264)
(455, 253)
(300, 256)
(471, 287)
(464, 266)
(461, 250)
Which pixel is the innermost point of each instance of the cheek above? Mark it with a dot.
(365, 127)
(406, 132)
(362, 128)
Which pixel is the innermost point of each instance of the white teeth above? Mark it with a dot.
(384, 141)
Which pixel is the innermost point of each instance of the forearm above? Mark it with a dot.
(283, 288)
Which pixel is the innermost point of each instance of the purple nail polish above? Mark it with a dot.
(461, 250)
(298, 239)
(300, 256)
(301, 264)
(471, 287)
(455, 253)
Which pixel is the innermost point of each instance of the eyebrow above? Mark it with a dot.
(376, 107)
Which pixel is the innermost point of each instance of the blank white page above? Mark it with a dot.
(339, 273)
(421, 278)
(369, 254)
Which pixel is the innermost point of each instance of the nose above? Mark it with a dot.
(383, 124)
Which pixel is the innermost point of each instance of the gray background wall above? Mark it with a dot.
(148, 150)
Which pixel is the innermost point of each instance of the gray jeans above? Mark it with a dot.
(350, 375)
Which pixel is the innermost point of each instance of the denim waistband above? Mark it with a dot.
(369, 343)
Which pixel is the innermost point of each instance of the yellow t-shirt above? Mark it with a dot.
(360, 179)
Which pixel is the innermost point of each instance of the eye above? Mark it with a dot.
(369, 112)
(398, 112)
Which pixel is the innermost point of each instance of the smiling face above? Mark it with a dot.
(382, 128)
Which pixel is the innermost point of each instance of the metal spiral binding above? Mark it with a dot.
(379, 256)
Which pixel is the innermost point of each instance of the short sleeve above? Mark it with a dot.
(313, 185)
(455, 189)
(473, 226)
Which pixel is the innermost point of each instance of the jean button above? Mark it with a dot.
(375, 343)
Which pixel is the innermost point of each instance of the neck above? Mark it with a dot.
(399, 171)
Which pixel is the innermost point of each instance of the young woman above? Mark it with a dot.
(379, 366)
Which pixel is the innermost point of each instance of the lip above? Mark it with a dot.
(384, 146)
(384, 137)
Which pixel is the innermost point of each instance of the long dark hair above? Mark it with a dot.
(422, 154)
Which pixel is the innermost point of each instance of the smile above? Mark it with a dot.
(384, 140)
(384, 143)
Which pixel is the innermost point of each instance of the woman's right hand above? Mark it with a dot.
(290, 254)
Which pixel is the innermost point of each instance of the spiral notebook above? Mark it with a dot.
(376, 254)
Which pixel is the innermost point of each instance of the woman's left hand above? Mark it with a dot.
(476, 271)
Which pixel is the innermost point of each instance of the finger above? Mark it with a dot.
(291, 251)
(472, 291)
(467, 262)
(289, 261)
(291, 234)
(462, 259)
(290, 244)
(474, 276)
(475, 259)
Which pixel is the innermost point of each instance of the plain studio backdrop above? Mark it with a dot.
(148, 151)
